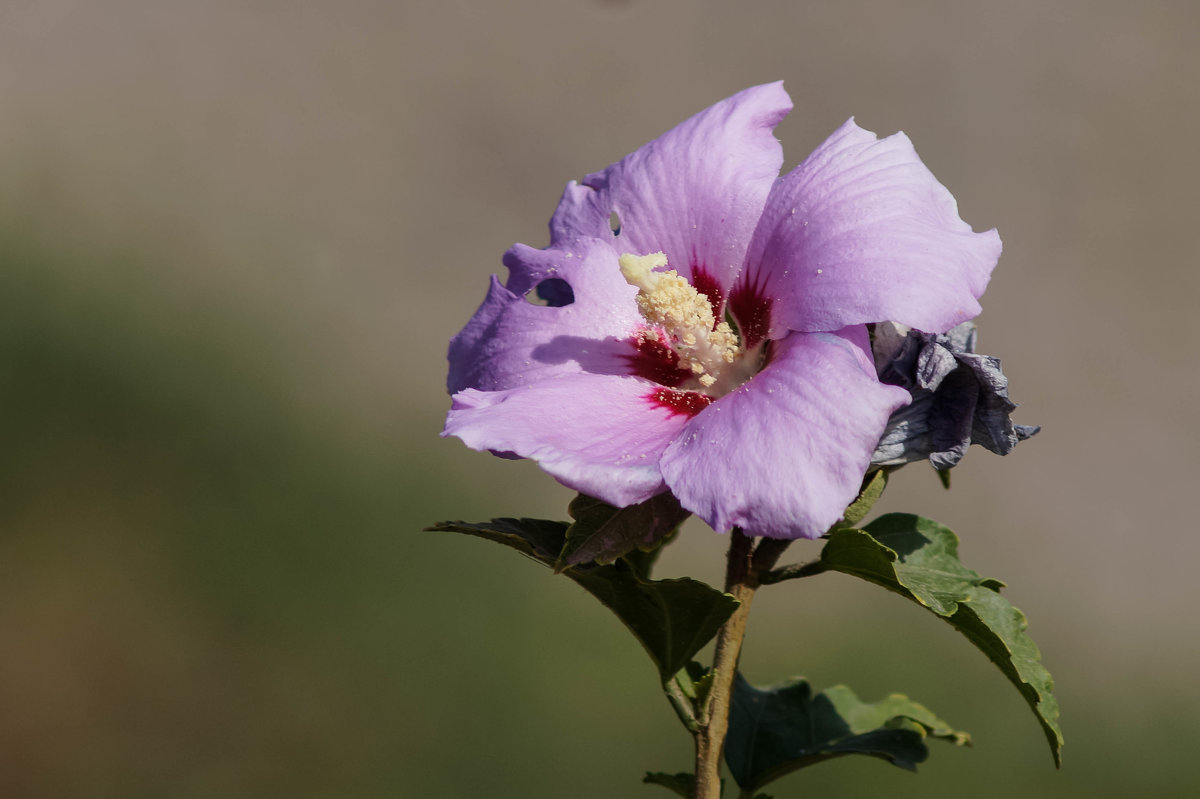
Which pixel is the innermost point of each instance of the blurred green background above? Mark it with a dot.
(235, 237)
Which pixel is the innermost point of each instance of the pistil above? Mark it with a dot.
(705, 346)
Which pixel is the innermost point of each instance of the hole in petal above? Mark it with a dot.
(614, 222)
(553, 292)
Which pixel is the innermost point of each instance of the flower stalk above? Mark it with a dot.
(745, 565)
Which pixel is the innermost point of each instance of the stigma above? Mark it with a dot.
(665, 299)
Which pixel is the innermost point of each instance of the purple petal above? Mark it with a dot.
(695, 193)
(599, 434)
(784, 454)
(863, 232)
(512, 342)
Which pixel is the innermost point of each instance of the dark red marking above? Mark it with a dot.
(752, 312)
(707, 285)
(687, 403)
(654, 359)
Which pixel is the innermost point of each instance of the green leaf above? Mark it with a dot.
(673, 619)
(540, 539)
(603, 533)
(871, 491)
(918, 558)
(683, 783)
(774, 731)
(641, 562)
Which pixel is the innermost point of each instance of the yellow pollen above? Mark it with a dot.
(669, 301)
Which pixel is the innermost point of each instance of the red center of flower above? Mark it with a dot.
(684, 345)
(752, 312)
(687, 403)
(707, 285)
(654, 359)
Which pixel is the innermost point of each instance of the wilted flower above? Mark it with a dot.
(959, 397)
(704, 327)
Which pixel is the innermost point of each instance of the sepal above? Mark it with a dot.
(873, 485)
(603, 533)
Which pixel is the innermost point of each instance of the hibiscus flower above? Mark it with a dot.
(703, 322)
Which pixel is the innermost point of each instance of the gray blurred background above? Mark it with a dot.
(235, 238)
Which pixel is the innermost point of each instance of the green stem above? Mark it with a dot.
(792, 572)
(743, 567)
(681, 703)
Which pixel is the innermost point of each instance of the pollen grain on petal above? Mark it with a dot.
(683, 403)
